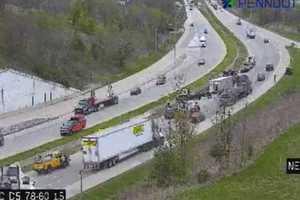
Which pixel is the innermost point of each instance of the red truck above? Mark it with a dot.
(91, 104)
(75, 124)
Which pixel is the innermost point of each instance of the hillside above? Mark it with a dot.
(282, 21)
(77, 42)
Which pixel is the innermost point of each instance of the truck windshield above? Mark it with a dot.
(82, 102)
(69, 123)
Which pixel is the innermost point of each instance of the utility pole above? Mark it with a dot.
(2, 99)
(33, 92)
(81, 184)
(175, 36)
(1, 174)
(228, 140)
(156, 39)
(174, 54)
(243, 139)
(19, 180)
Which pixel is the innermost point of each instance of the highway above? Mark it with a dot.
(186, 63)
(265, 53)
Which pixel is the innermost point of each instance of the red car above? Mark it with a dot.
(75, 124)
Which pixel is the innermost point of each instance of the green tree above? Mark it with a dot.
(173, 161)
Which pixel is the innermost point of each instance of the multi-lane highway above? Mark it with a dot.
(186, 63)
(264, 53)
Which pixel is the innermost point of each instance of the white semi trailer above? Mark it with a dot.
(105, 148)
(220, 84)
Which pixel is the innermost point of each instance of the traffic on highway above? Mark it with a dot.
(97, 156)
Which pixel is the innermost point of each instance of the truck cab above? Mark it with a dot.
(86, 106)
(75, 124)
(202, 41)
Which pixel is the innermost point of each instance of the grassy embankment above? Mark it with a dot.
(113, 187)
(266, 178)
(231, 44)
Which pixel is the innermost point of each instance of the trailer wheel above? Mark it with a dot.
(49, 170)
(110, 164)
(115, 161)
(116, 100)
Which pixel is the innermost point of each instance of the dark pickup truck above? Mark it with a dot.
(91, 104)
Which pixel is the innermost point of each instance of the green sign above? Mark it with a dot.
(138, 130)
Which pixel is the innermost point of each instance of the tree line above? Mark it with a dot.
(82, 41)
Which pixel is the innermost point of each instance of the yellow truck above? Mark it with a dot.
(50, 162)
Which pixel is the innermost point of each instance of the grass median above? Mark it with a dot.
(266, 178)
(113, 187)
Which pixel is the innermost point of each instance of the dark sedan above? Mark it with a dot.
(135, 91)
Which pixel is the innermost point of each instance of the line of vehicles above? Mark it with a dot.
(91, 104)
(106, 148)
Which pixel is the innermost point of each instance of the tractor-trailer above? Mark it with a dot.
(91, 104)
(106, 148)
(220, 84)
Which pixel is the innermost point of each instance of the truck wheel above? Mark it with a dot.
(110, 163)
(49, 170)
(115, 161)
(116, 101)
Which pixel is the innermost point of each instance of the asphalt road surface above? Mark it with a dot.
(264, 53)
(186, 63)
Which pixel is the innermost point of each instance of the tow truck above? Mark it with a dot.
(75, 124)
(91, 104)
(50, 162)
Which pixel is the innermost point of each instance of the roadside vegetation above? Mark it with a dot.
(262, 179)
(261, 138)
(81, 42)
(136, 178)
(230, 58)
(283, 21)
